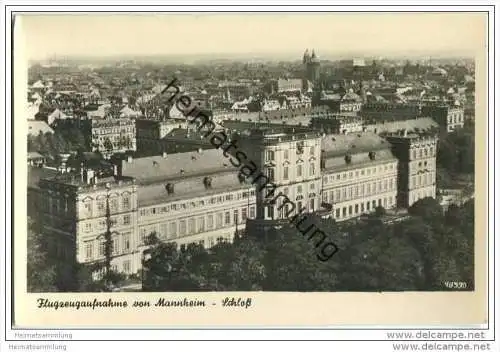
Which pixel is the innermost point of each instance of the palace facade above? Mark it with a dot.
(201, 197)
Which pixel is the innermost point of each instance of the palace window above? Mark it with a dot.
(201, 224)
(126, 266)
(88, 208)
(227, 218)
(126, 203)
(89, 250)
(191, 226)
(126, 220)
(101, 207)
(219, 220)
(270, 211)
(299, 170)
(210, 221)
(102, 248)
(163, 233)
(270, 174)
(269, 155)
(172, 231)
(312, 169)
(182, 227)
(116, 245)
(252, 212)
(113, 205)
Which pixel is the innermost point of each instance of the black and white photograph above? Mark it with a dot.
(250, 152)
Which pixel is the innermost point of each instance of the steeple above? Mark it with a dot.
(314, 57)
(306, 57)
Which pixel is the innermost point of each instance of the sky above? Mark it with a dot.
(265, 34)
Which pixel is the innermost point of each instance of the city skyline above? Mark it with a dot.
(281, 36)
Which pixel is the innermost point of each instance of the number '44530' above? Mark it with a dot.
(455, 284)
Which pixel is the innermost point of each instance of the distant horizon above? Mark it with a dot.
(282, 56)
(274, 36)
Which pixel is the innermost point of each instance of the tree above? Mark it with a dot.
(291, 263)
(41, 274)
(456, 151)
(428, 209)
(59, 144)
(417, 254)
(243, 268)
(380, 211)
(42, 143)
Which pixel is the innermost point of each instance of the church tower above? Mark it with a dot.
(311, 67)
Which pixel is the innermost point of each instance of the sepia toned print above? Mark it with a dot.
(128, 192)
(304, 169)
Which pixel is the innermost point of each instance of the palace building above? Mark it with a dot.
(201, 197)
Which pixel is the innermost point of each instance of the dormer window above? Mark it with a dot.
(371, 155)
(300, 147)
(169, 188)
(348, 159)
(241, 178)
(207, 182)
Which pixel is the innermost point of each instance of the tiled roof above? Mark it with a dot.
(34, 155)
(35, 127)
(340, 144)
(189, 187)
(157, 168)
(37, 173)
(359, 159)
(421, 123)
